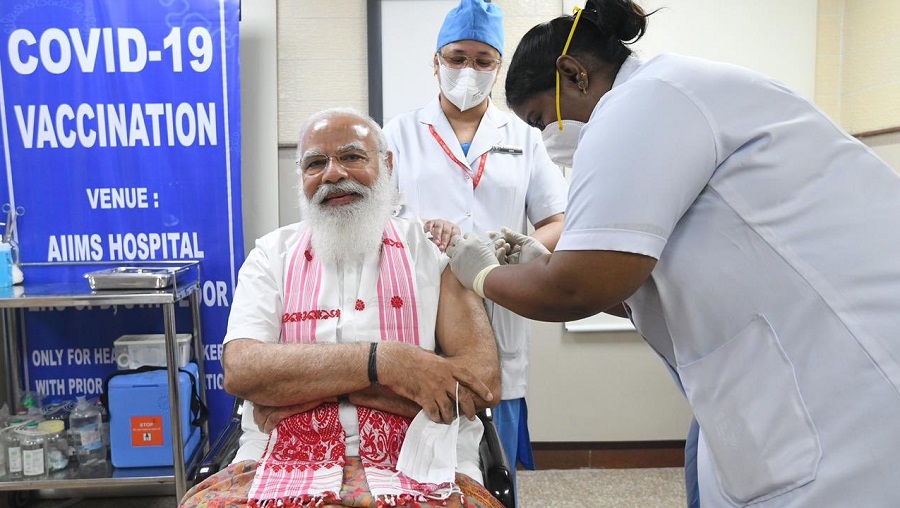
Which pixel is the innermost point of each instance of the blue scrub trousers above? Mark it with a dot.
(691, 485)
(511, 420)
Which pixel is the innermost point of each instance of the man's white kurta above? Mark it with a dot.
(776, 295)
(514, 189)
(257, 310)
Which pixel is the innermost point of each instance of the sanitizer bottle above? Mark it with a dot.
(6, 265)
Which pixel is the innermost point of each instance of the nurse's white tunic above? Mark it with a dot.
(776, 296)
(514, 189)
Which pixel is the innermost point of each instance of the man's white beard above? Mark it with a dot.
(349, 232)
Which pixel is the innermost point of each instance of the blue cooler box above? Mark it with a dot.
(140, 429)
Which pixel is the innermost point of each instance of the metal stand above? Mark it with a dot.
(78, 295)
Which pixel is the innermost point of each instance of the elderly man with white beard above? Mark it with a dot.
(331, 343)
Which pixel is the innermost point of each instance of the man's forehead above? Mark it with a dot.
(337, 129)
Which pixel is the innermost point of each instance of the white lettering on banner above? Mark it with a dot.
(74, 248)
(50, 386)
(79, 356)
(123, 197)
(215, 293)
(144, 246)
(47, 357)
(212, 352)
(214, 382)
(87, 386)
(57, 46)
(103, 355)
(77, 307)
(128, 247)
(113, 125)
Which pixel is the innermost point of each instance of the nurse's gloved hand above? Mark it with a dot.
(524, 248)
(502, 248)
(471, 260)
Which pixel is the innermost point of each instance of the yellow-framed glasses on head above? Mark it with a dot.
(577, 13)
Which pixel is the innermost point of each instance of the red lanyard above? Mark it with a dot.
(477, 176)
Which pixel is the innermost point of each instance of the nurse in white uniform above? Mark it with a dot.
(463, 160)
(755, 245)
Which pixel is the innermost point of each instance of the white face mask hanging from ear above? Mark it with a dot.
(561, 144)
(466, 87)
(561, 138)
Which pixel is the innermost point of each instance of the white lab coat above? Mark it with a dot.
(776, 295)
(514, 189)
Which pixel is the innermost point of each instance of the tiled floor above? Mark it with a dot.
(602, 488)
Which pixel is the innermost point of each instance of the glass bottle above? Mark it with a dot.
(34, 451)
(13, 448)
(57, 446)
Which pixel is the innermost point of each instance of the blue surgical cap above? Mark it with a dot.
(474, 20)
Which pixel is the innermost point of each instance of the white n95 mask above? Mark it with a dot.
(466, 87)
(428, 454)
(561, 145)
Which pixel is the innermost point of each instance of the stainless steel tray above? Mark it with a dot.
(134, 277)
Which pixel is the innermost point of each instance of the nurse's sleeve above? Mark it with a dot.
(643, 158)
(256, 308)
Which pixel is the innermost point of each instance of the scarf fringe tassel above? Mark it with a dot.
(398, 499)
(305, 501)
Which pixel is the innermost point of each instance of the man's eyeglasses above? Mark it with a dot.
(480, 63)
(348, 159)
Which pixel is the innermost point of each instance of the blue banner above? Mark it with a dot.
(121, 144)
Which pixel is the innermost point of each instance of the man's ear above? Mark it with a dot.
(389, 161)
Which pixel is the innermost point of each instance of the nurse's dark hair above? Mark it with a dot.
(601, 39)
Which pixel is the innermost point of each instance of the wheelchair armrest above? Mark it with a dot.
(223, 450)
(494, 466)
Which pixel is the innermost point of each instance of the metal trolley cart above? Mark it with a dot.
(133, 289)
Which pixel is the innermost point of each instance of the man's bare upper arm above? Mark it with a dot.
(463, 330)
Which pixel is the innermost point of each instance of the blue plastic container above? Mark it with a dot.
(6, 265)
(140, 433)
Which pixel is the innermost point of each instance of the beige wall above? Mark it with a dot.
(858, 74)
(321, 60)
(886, 146)
(829, 48)
(259, 106)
